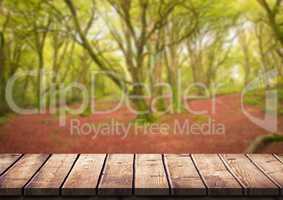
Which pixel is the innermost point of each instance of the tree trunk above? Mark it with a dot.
(2, 56)
(141, 105)
(157, 79)
(172, 65)
(3, 104)
(39, 76)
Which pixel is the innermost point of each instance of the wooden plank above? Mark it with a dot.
(270, 166)
(150, 175)
(279, 157)
(50, 177)
(219, 181)
(83, 179)
(12, 182)
(117, 177)
(254, 181)
(183, 176)
(6, 160)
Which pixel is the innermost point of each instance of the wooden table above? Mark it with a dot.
(134, 175)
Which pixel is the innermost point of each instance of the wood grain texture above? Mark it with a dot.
(83, 179)
(12, 182)
(6, 160)
(50, 177)
(117, 177)
(150, 175)
(270, 166)
(144, 174)
(254, 181)
(219, 181)
(183, 176)
(279, 157)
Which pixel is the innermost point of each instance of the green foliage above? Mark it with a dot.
(200, 118)
(4, 119)
(263, 141)
(273, 138)
(280, 95)
(145, 119)
(280, 82)
(87, 112)
(46, 35)
(253, 100)
(227, 90)
(4, 109)
(257, 98)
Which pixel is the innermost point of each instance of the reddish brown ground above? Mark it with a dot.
(42, 133)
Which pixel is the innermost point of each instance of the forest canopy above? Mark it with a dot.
(136, 46)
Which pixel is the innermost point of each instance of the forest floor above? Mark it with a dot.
(42, 133)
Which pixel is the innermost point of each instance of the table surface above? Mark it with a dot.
(141, 175)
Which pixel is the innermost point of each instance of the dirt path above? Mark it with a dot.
(42, 133)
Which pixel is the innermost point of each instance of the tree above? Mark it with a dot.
(209, 47)
(132, 41)
(273, 13)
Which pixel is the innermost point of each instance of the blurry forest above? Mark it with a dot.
(149, 51)
(137, 41)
